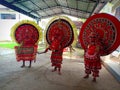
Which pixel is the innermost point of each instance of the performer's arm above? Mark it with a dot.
(46, 50)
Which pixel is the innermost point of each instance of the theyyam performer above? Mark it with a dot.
(99, 36)
(59, 35)
(26, 34)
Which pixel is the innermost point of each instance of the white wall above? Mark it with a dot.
(6, 25)
(5, 28)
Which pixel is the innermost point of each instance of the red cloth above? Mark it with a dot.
(56, 58)
(91, 50)
(25, 53)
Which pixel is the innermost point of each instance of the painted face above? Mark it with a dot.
(55, 45)
(93, 37)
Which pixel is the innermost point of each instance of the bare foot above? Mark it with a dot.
(59, 73)
(86, 76)
(94, 80)
(29, 66)
(22, 66)
(53, 70)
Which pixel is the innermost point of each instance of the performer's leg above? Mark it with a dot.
(87, 71)
(86, 76)
(94, 79)
(30, 64)
(95, 74)
(59, 71)
(23, 64)
(55, 68)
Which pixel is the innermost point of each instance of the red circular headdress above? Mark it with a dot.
(26, 32)
(60, 31)
(106, 31)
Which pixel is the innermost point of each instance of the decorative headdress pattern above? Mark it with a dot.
(60, 31)
(105, 30)
(26, 32)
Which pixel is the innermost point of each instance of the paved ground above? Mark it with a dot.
(40, 77)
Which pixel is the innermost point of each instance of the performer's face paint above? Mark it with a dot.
(93, 38)
(55, 45)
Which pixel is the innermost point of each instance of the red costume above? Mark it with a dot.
(56, 59)
(27, 34)
(92, 60)
(99, 36)
(56, 56)
(92, 56)
(59, 35)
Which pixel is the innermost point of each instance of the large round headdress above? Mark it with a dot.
(106, 29)
(26, 32)
(60, 30)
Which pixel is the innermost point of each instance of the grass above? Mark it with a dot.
(8, 45)
(11, 45)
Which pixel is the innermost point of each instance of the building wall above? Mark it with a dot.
(6, 24)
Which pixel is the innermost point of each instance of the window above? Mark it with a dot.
(8, 16)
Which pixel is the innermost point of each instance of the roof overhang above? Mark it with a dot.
(39, 9)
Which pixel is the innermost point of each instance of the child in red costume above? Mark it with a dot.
(92, 59)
